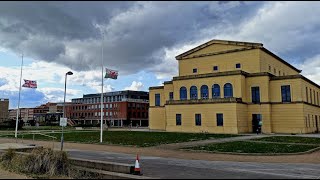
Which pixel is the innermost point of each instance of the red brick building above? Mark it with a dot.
(120, 108)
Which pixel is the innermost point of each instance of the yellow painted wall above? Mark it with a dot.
(157, 119)
(267, 60)
(295, 89)
(208, 118)
(249, 61)
(167, 89)
(310, 113)
(263, 83)
(265, 111)
(288, 118)
(152, 93)
(215, 48)
(242, 118)
(235, 80)
(315, 93)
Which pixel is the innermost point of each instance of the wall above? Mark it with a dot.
(208, 118)
(235, 80)
(267, 60)
(157, 119)
(288, 118)
(248, 59)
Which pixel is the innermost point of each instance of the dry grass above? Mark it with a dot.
(40, 162)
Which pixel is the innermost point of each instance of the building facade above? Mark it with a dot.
(26, 114)
(228, 86)
(4, 108)
(120, 108)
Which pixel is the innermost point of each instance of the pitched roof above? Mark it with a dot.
(248, 46)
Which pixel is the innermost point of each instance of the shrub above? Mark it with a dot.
(40, 161)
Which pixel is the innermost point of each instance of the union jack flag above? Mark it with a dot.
(29, 84)
(111, 74)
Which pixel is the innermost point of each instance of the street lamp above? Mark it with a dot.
(64, 104)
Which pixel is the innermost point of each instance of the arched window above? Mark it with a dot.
(183, 93)
(216, 91)
(193, 92)
(228, 90)
(204, 92)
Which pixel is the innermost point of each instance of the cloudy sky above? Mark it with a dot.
(140, 39)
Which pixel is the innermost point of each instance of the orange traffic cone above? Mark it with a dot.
(137, 167)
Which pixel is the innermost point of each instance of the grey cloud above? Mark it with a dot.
(66, 33)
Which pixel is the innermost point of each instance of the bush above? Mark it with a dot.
(40, 161)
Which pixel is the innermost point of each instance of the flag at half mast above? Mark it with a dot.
(29, 84)
(111, 74)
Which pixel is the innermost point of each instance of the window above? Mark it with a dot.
(183, 93)
(279, 73)
(255, 92)
(285, 93)
(238, 65)
(274, 70)
(311, 96)
(193, 92)
(314, 96)
(219, 119)
(204, 92)
(198, 119)
(307, 94)
(283, 74)
(171, 95)
(215, 68)
(178, 119)
(216, 91)
(157, 96)
(195, 70)
(269, 68)
(228, 90)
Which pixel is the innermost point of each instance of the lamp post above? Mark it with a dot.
(64, 104)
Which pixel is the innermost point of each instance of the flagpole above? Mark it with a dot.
(101, 87)
(16, 132)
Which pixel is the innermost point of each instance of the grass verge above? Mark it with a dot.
(290, 139)
(131, 138)
(254, 147)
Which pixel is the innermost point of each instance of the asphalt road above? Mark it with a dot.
(171, 168)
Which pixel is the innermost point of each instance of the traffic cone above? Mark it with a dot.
(137, 167)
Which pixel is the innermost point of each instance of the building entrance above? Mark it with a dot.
(255, 122)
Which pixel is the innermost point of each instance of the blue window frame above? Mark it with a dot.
(170, 95)
(178, 119)
(157, 97)
(219, 119)
(238, 65)
(204, 92)
(216, 91)
(193, 92)
(215, 68)
(228, 90)
(255, 93)
(198, 119)
(285, 93)
(183, 93)
(195, 70)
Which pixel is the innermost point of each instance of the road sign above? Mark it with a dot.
(63, 122)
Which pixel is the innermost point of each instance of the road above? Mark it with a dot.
(172, 168)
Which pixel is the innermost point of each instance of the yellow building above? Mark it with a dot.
(228, 86)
